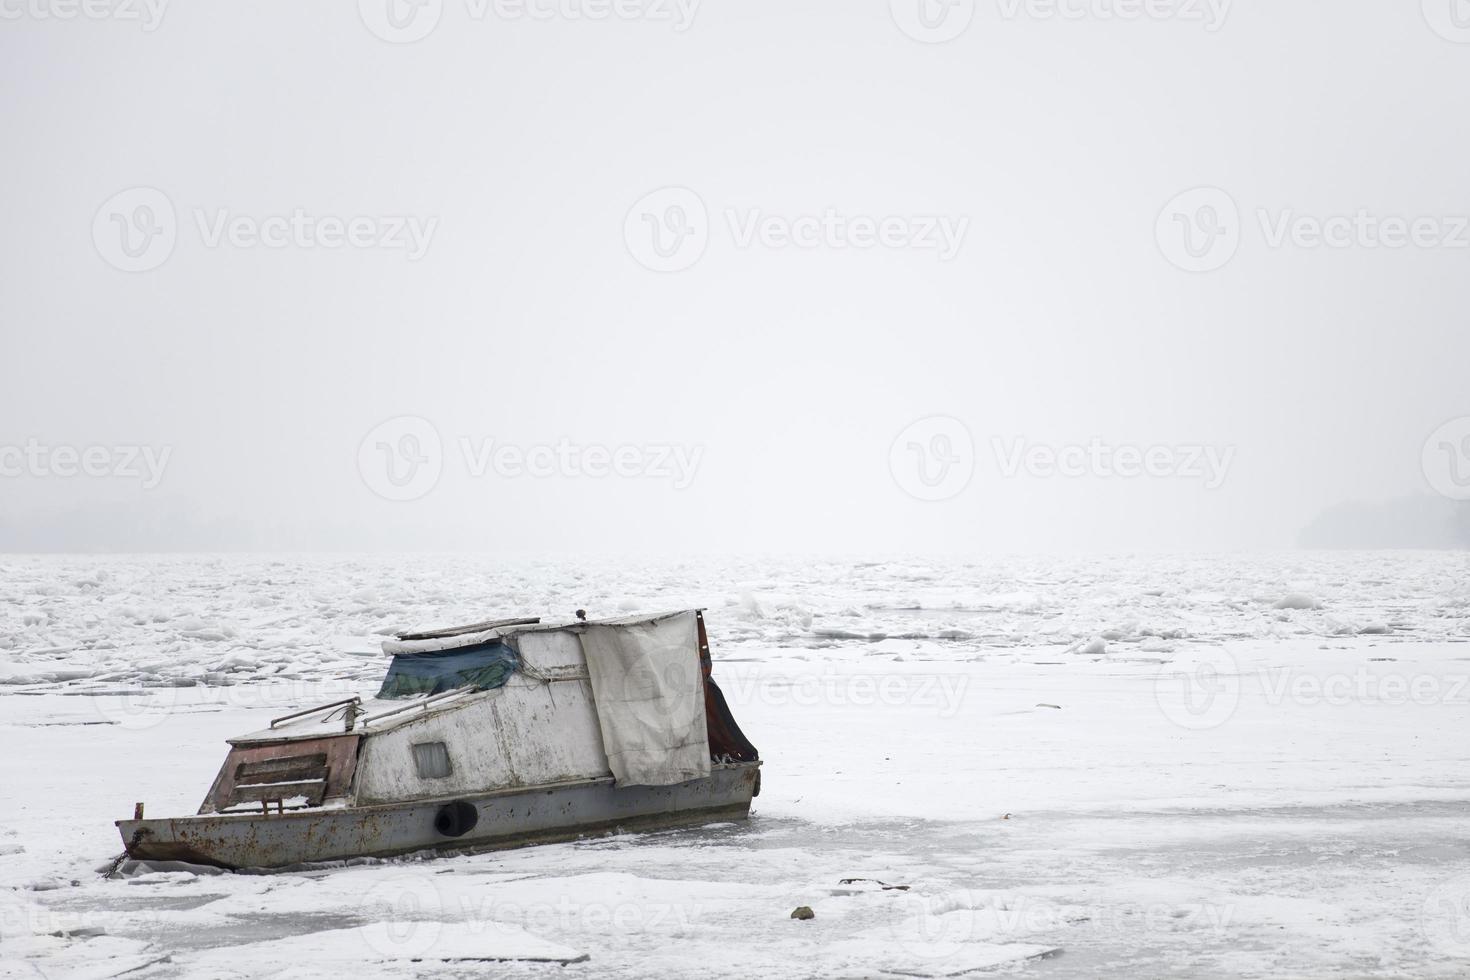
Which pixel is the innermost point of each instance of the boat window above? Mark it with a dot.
(482, 667)
(431, 759)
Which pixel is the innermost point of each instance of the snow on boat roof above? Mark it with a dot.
(459, 637)
(473, 628)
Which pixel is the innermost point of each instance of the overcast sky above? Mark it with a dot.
(651, 275)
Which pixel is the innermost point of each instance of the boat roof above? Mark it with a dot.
(375, 714)
(490, 631)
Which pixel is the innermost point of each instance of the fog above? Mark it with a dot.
(727, 276)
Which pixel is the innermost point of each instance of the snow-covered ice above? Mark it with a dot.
(1213, 766)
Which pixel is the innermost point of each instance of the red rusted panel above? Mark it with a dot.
(340, 751)
(727, 743)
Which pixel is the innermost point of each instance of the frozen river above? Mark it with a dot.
(1140, 767)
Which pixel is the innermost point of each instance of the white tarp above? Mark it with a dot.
(649, 693)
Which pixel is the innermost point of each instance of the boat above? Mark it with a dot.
(494, 735)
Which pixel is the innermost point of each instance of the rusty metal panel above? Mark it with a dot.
(312, 790)
(339, 753)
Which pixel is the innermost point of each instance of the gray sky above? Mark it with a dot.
(873, 230)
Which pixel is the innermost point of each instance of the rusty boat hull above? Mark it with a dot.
(501, 819)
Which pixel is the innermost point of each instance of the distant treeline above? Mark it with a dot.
(1406, 522)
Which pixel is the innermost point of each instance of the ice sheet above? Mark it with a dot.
(107, 623)
(1260, 794)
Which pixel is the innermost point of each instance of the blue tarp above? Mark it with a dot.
(486, 666)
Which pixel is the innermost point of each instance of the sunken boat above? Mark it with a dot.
(495, 735)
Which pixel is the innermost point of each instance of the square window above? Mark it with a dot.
(431, 759)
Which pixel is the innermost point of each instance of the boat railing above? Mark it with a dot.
(424, 704)
(355, 699)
